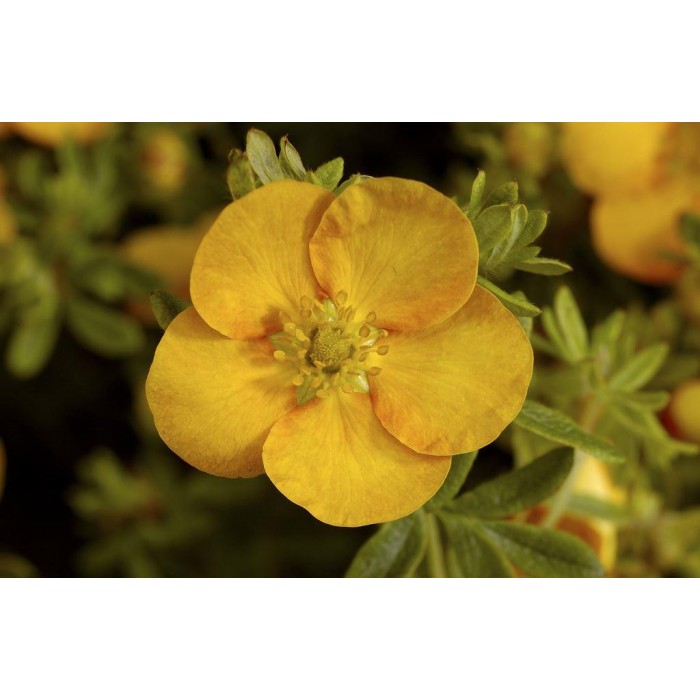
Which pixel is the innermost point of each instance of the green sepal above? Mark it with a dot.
(459, 471)
(166, 306)
(352, 180)
(476, 196)
(536, 224)
(102, 329)
(558, 427)
(493, 226)
(328, 175)
(470, 553)
(240, 176)
(263, 157)
(392, 552)
(519, 489)
(503, 194)
(515, 304)
(290, 161)
(543, 553)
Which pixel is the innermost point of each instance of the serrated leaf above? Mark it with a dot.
(290, 161)
(31, 344)
(103, 330)
(394, 551)
(475, 555)
(329, 174)
(574, 331)
(166, 306)
(459, 471)
(477, 194)
(519, 489)
(240, 176)
(640, 369)
(493, 226)
(262, 155)
(543, 266)
(536, 223)
(503, 194)
(516, 305)
(544, 553)
(558, 427)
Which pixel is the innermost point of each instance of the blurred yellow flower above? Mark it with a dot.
(529, 146)
(684, 411)
(8, 225)
(167, 251)
(340, 345)
(163, 159)
(614, 157)
(53, 133)
(592, 479)
(643, 176)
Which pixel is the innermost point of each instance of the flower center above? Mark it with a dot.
(329, 348)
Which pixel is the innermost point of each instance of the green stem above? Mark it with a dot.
(590, 415)
(435, 555)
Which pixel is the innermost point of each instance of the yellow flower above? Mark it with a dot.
(614, 157)
(164, 159)
(684, 411)
(632, 233)
(341, 346)
(167, 251)
(53, 133)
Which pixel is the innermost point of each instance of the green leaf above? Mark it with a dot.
(543, 266)
(558, 427)
(640, 369)
(290, 161)
(571, 324)
(329, 174)
(501, 251)
(536, 223)
(591, 507)
(516, 305)
(166, 306)
(690, 229)
(546, 553)
(493, 226)
(263, 156)
(31, 344)
(519, 489)
(476, 194)
(475, 555)
(240, 176)
(504, 194)
(102, 329)
(394, 551)
(459, 471)
(652, 400)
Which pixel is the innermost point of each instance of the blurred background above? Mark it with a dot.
(93, 217)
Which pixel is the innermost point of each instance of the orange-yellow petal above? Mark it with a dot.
(614, 157)
(215, 399)
(453, 388)
(254, 262)
(631, 233)
(398, 248)
(53, 133)
(334, 458)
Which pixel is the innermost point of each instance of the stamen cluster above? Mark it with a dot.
(329, 348)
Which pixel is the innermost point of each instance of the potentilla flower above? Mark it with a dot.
(342, 346)
(54, 133)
